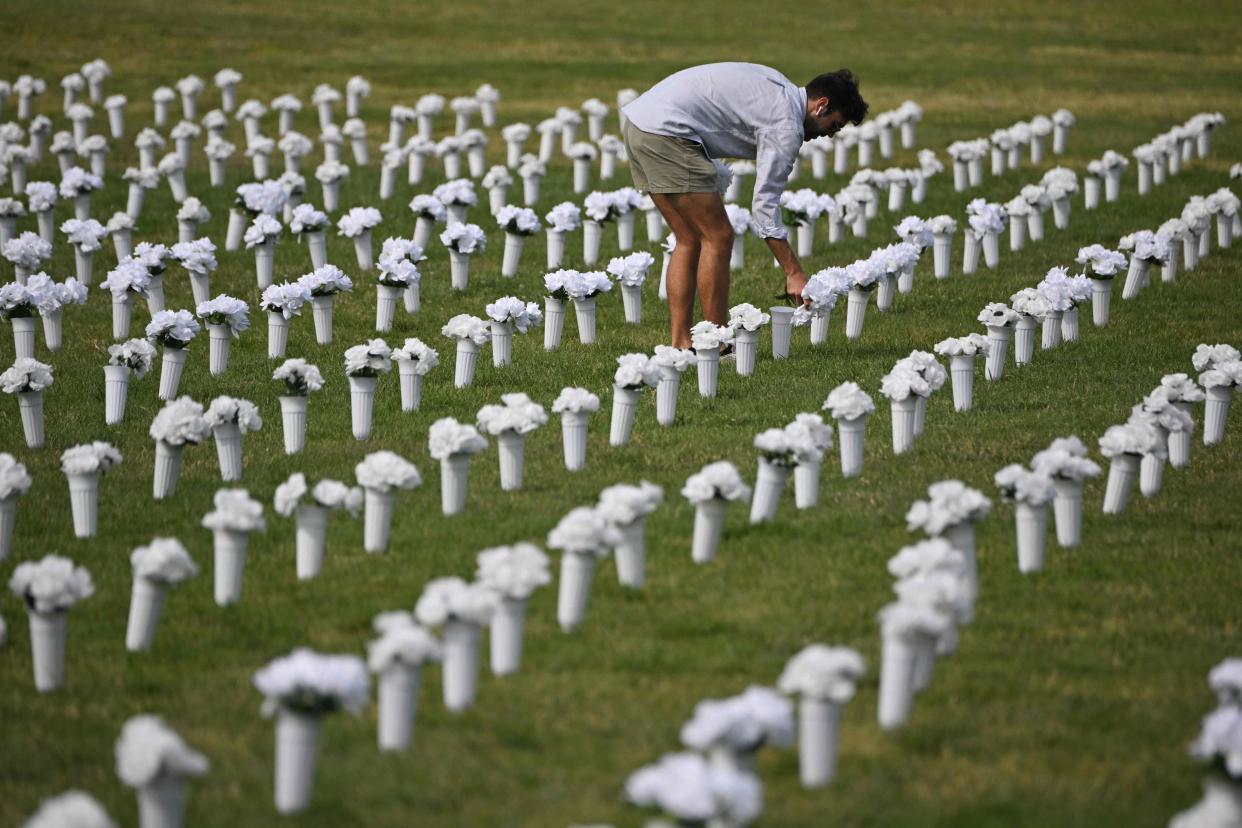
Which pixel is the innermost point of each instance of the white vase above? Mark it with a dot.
(708, 525)
(896, 681)
(229, 551)
(512, 254)
(1061, 212)
(454, 477)
(905, 279)
(631, 553)
(310, 540)
(228, 451)
(161, 802)
(818, 725)
(265, 262)
(378, 507)
(411, 384)
(962, 372)
(1179, 441)
(1151, 474)
(321, 310)
(961, 536)
(999, 337)
(361, 405)
(666, 395)
(1069, 325)
(574, 438)
(1067, 510)
(1121, 474)
(145, 604)
(1215, 414)
(24, 337)
(411, 298)
(991, 249)
(386, 297)
(556, 249)
(293, 422)
(461, 664)
(1024, 340)
(8, 521)
(167, 466)
(507, 626)
(297, 749)
(745, 346)
(924, 664)
(1035, 224)
(219, 337)
(903, 424)
(625, 231)
(317, 244)
(1032, 526)
(624, 410)
(459, 270)
(769, 482)
(1136, 275)
(782, 331)
(1051, 331)
(806, 484)
(467, 360)
(1017, 234)
(584, 313)
(363, 250)
(398, 704)
(942, 252)
(47, 648)
(122, 316)
(970, 254)
(502, 343)
(708, 370)
(592, 236)
(30, 404)
(277, 335)
(511, 448)
(84, 503)
(1220, 806)
(631, 304)
(855, 312)
(574, 589)
(850, 434)
(553, 322)
(53, 329)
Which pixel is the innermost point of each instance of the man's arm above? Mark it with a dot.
(795, 276)
(774, 161)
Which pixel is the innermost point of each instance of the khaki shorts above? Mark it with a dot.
(663, 164)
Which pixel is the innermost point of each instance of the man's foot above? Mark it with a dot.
(726, 354)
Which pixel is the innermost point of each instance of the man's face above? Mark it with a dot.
(818, 126)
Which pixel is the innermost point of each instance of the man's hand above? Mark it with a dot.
(795, 281)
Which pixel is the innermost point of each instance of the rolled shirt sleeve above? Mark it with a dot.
(776, 152)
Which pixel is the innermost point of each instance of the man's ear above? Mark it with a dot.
(819, 104)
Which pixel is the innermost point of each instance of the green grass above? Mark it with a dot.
(1074, 693)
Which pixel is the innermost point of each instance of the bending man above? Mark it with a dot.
(726, 110)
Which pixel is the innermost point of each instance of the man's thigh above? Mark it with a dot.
(704, 213)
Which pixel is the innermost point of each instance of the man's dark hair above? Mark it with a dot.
(841, 90)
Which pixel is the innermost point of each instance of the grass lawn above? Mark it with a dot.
(1076, 690)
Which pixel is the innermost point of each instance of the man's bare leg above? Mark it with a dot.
(708, 220)
(682, 268)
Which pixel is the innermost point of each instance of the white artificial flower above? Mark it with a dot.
(1019, 484)
(949, 503)
(635, 371)
(447, 437)
(708, 336)
(447, 600)
(148, 750)
(464, 238)
(513, 572)
(415, 351)
(623, 504)
(384, 471)
(368, 360)
(180, 422)
(821, 672)
(518, 414)
(164, 561)
(285, 298)
(464, 326)
(235, 511)
(226, 310)
(26, 375)
(308, 682)
(583, 530)
(52, 584)
(300, 377)
(225, 409)
(719, 480)
(573, 399)
(326, 281)
(742, 724)
(357, 221)
(89, 458)
(691, 790)
(14, 479)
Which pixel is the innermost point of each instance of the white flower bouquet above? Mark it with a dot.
(299, 689)
(357, 224)
(363, 366)
(810, 438)
(1103, 266)
(710, 489)
(452, 443)
(83, 465)
(864, 276)
(261, 236)
(27, 253)
(531, 170)
(462, 240)
(672, 363)
(27, 378)
(777, 458)
(457, 195)
(226, 317)
(951, 511)
(582, 288)
(515, 137)
(962, 352)
(584, 537)
(282, 302)
(746, 320)
(908, 628)
(15, 481)
(229, 418)
(575, 405)
(49, 588)
(311, 515)
(850, 406)
(732, 730)
(693, 790)
(300, 380)
(518, 224)
(469, 332)
(129, 278)
(626, 508)
(397, 657)
(178, 424)
(634, 373)
(904, 386)
(513, 573)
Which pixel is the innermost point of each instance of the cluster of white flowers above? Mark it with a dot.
(180, 422)
(148, 749)
(741, 724)
(708, 336)
(358, 221)
(564, 217)
(89, 458)
(326, 281)
(262, 197)
(368, 360)
(631, 270)
(602, 207)
(76, 808)
(52, 584)
(164, 561)
(1024, 486)
(949, 503)
(584, 531)
(635, 371)
(513, 572)
(197, 256)
(693, 791)
(402, 642)
(968, 345)
(998, 315)
(25, 375)
(719, 480)
(821, 672)
(1103, 263)
(623, 504)
(172, 329)
(848, 402)
(521, 221)
(415, 351)
(226, 310)
(517, 413)
(384, 471)
(327, 494)
(312, 683)
(285, 298)
(86, 235)
(225, 409)
(299, 376)
(235, 511)
(447, 600)
(27, 251)
(14, 479)
(512, 310)
(463, 326)
(448, 437)
(193, 210)
(77, 181)
(464, 238)
(678, 359)
(985, 217)
(572, 399)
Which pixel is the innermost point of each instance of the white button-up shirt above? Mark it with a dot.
(735, 110)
